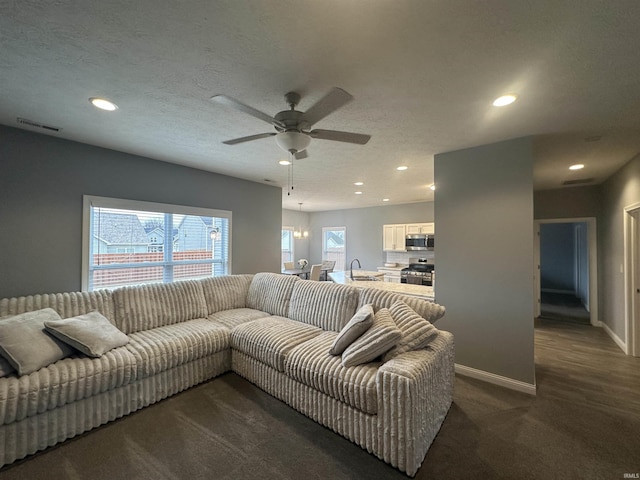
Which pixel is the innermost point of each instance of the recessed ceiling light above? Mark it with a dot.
(359, 183)
(284, 162)
(103, 104)
(577, 166)
(402, 167)
(358, 193)
(504, 100)
(385, 199)
(433, 186)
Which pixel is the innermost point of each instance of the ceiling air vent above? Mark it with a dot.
(579, 181)
(31, 123)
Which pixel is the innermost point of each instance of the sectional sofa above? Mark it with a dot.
(274, 330)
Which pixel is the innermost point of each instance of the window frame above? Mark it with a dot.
(337, 268)
(89, 201)
(292, 242)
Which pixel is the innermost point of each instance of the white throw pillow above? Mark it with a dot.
(417, 332)
(25, 343)
(381, 337)
(355, 327)
(92, 333)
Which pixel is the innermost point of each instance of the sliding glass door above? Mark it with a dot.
(334, 246)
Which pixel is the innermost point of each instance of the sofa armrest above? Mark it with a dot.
(415, 391)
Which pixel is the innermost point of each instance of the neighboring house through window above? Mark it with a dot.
(124, 243)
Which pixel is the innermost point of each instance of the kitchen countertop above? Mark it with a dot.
(403, 288)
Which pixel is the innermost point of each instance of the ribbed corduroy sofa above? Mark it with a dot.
(273, 330)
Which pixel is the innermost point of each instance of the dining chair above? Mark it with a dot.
(327, 268)
(289, 266)
(315, 272)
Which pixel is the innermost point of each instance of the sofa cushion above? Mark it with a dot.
(64, 382)
(226, 292)
(271, 339)
(68, 304)
(384, 299)
(236, 316)
(311, 364)
(417, 332)
(376, 341)
(91, 333)
(326, 305)
(355, 327)
(26, 345)
(271, 293)
(161, 348)
(143, 307)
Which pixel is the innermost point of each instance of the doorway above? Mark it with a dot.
(632, 279)
(566, 280)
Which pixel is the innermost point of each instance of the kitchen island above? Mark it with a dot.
(421, 291)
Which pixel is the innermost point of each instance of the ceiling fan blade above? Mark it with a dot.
(301, 155)
(332, 101)
(248, 139)
(232, 102)
(347, 137)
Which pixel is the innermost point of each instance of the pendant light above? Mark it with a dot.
(300, 233)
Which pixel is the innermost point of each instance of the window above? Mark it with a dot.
(124, 243)
(334, 246)
(287, 244)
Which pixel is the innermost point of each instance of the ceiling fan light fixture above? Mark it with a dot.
(292, 142)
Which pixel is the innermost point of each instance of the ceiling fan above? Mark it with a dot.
(293, 133)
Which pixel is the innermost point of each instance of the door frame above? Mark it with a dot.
(632, 279)
(593, 263)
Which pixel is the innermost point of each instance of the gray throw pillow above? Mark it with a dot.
(25, 343)
(91, 333)
(355, 327)
(381, 337)
(5, 367)
(417, 332)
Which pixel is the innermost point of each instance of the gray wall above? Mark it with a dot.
(364, 229)
(621, 190)
(582, 259)
(484, 219)
(43, 179)
(574, 202)
(557, 257)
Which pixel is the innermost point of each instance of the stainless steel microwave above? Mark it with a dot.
(419, 241)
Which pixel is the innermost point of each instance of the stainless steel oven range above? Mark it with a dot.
(419, 272)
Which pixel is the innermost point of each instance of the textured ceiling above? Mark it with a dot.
(423, 74)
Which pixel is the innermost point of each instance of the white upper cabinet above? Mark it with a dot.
(393, 238)
(412, 228)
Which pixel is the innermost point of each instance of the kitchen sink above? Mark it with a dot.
(365, 278)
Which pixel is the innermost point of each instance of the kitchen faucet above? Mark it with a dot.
(359, 266)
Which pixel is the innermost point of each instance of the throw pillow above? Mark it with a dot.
(381, 336)
(5, 367)
(26, 345)
(91, 333)
(355, 327)
(417, 332)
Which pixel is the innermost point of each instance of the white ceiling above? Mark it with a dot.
(423, 74)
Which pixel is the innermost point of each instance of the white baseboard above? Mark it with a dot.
(614, 337)
(496, 379)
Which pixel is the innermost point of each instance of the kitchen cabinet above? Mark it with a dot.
(393, 238)
(412, 228)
